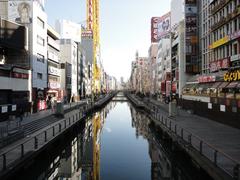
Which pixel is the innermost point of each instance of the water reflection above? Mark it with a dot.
(128, 147)
(167, 162)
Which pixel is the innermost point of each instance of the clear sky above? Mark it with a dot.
(124, 27)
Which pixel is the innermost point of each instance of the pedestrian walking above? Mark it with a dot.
(21, 113)
(52, 104)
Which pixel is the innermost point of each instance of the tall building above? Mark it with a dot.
(164, 65)
(152, 70)
(140, 75)
(82, 72)
(35, 19)
(204, 35)
(69, 30)
(87, 44)
(69, 72)
(15, 73)
(179, 75)
(54, 66)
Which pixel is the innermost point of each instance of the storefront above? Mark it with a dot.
(221, 88)
(39, 99)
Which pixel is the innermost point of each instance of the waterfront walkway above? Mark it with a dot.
(37, 136)
(218, 142)
(41, 114)
(221, 136)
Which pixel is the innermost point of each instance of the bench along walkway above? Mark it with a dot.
(218, 142)
(17, 151)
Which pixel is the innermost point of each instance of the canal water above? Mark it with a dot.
(118, 142)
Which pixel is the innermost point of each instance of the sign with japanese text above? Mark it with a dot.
(219, 42)
(20, 11)
(191, 35)
(87, 34)
(220, 64)
(232, 76)
(53, 71)
(20, 75)
(160, 27)
(206, 79)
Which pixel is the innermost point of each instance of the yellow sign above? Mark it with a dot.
(219, 42)
(232, 76)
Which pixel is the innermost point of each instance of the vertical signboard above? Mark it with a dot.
(20, 11)
(90, 15)
(191, 34)
(160, 27)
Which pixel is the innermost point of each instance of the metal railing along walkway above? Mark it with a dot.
(37, 140)
(216, 156)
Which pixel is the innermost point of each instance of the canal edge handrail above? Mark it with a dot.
(234, 164)
(237, 164)
(4, 163)
(86, 108)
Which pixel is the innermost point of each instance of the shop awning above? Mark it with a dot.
(191, 85)
(232, 85)
(223, 85)
(216, 84)
(205, 85)
(238, 85)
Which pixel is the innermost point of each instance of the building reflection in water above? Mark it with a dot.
(81, 158)
(166, 164)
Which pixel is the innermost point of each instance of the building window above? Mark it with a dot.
(235, 25)
(40, 23)
(40, 40)
(235, 49)
(39, 75)
(40, 58)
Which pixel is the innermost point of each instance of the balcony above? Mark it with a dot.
(220, 23)
(53, 57)
(219, 6)
(236, 12)
(226, 19)
(53, 43)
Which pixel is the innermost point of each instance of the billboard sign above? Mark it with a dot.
(20, 11)
(160, 27)
(219, 64)
(87, 33)
(12, 35)
(191, 34)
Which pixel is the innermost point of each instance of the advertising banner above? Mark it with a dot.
(20, 11)
(219, 64)
(191, 34)
(160, 27)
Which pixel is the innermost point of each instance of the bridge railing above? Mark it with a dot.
(215, 155)
(36, 141)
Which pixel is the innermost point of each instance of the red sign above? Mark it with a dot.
(20, 75)
(163, 87)
(42, 105)
(206, 79)
(160, 27)
(90, 15)
(219, 64)
(87, 34)
(174, 87)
